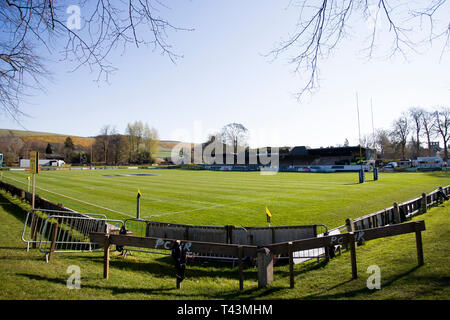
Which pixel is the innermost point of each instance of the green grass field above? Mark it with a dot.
(25, 275)
(222, 198)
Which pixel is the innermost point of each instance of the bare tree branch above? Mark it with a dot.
(323, 24)
(27, 27)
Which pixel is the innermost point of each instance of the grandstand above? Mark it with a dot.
(299, 158)
(302, 156)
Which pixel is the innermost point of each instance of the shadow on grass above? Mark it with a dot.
(167, 291)
(442, 174)
(355, 183)
(13, 207)
(13, 248)
(164, 267)
(160, 267)
(115, 290)
(356, 292)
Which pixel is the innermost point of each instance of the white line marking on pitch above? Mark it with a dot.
(88, 203)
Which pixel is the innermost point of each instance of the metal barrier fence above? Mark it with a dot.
(255, 236)
(52, 231)
(138, 228)
(258, 236)
(34, 223)
(71, 234)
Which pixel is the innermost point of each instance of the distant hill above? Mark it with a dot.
(165, 147)
(47, 137)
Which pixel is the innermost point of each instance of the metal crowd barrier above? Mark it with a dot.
(34, 223)
(138, 227)
(50, 230)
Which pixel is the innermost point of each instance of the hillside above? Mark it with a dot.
(47, 137)
(165, 147)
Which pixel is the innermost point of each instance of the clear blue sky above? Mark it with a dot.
(224, 77)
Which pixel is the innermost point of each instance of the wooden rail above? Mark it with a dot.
(264, 255)
(401, 212)
(351, 239)
(239, 251)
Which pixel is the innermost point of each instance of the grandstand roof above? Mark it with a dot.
(331, 151)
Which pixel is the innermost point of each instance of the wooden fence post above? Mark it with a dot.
(419, 247)
(396, 213)
(350, 228)
(350, 225)
(440, 197)
(352, 243)
(33, 227)
(423, 203)
(241, 269)
(265, 267)
(291, 266)
(106, 257)
(53, 243)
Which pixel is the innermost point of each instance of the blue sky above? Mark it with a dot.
(224, 77)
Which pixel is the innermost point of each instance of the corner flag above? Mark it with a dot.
(139, 194)
(268, 215)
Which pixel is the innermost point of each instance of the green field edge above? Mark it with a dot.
(25, 275)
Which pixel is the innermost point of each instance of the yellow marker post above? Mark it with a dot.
(268, 216)
(138, 199)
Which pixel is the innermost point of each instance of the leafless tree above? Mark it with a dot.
(10, 147)
(428, 128)
(323, 24)
(383, 142)
(235, 135)
(103, 140)
(367, 141)
(31, 31)
(400, 133)
(442, 127)
(150, 139)
(415, 115)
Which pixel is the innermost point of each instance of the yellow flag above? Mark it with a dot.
(139, 193)
(28, 178)
(268, 215)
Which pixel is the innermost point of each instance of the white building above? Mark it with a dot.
(25, 163)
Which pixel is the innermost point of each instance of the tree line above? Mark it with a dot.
(413, 134)
(138, 145)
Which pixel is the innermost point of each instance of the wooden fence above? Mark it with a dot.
(399, 212)
(351, 239)
(264, 255)
(239, 251)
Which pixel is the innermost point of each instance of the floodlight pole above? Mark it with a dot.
(375, 169)
(361, 172)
